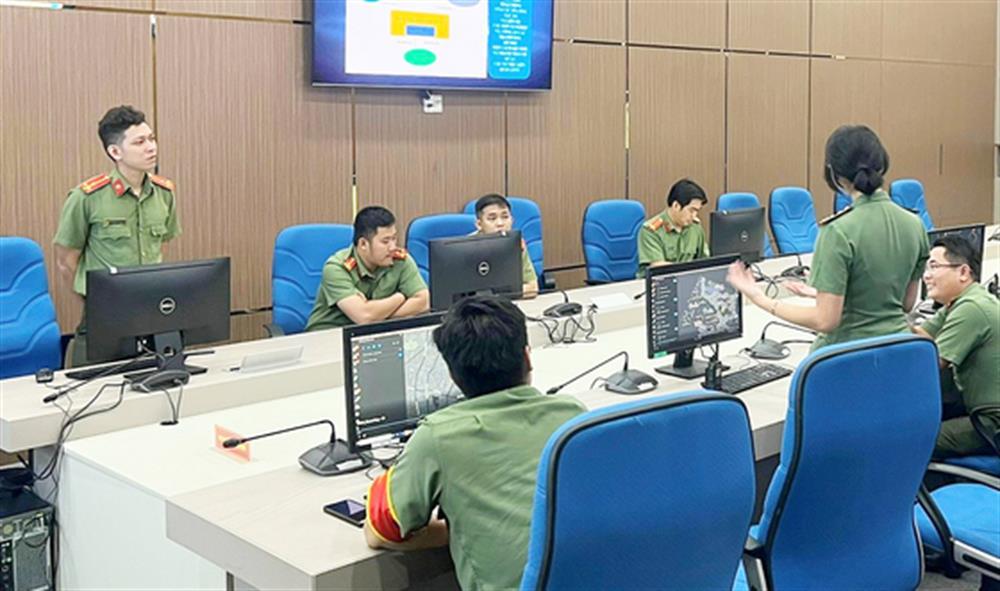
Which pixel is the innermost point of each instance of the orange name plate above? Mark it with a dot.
(240, 452)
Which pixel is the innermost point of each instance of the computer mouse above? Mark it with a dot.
(769, 349)
(562, 310)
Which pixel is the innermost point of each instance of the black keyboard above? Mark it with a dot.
(753, 376)
(123, 366)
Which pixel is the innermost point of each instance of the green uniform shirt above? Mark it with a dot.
(477, 460)
(345, 275)
(967, 334)
(114, 227)
(869, 254)
(528, 274)
(661, 241)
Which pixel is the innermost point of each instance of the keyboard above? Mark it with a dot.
(753, 376)
(88, 373)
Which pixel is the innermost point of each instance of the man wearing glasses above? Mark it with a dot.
(965, 330)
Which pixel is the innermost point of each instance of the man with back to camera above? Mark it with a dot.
(675, 235)
(476, 459)
(119, 219)
(371, 280)
(493, 215)
(965, 330)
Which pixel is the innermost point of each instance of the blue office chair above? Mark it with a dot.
(650, 494)
(841, 202)
(609, 234)
(861, 424)
(422, 230)
(960, 523)
(29, 334)
(909, 193)
(793, 220)
(736, 201)
(299, 255)
(527, 220)
(974, 467)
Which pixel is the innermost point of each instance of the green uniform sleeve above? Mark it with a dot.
(74, 227)
(527, 268)
(410, 281)
(173, 220)
(703, 246)
(650, 250)
(965, 328)
(831, 263)
(933, 324)
(336, 284)
(415, 482)
(918, 269)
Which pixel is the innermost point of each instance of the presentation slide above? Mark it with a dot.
(431, 44)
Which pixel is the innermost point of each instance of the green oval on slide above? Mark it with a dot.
(420, 57)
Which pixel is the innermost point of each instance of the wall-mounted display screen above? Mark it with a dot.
(433, 44)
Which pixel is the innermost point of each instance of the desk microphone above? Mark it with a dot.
(766, 348)
(627, 381)
(327, 459)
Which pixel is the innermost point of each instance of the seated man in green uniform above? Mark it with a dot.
(966, 332)
(492, 216)
(675, 235)
(119, 219)
(370, 281)
(476, 459)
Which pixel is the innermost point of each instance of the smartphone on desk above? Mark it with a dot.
(349, 510)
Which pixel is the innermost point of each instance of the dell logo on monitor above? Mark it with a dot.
(167, 306)
(744, 236)
(484, 268)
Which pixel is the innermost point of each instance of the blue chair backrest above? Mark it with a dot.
(609, 235)
(528, 220)
(735, 201)
(909, 193)
(422, 230)
(793, 220)
(299, 255)
(840, 202)
(29, 334)
(646, 495)
(861, 423)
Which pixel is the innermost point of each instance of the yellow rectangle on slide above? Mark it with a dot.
(401, 19)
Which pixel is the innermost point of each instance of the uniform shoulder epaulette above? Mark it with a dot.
(350, 263)
(654, 223)
(92, 184)
(162, 181)
(399, 254)
(837, 215)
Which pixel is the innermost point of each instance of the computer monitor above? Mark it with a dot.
(974, 233)
(160, 308)
(690, 305)
(393, 377)
(739, 232)
(475, 265)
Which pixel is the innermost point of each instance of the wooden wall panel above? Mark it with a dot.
(49, 109)
(699, 23)
(252, 148)
(844, 92)
(777, 25)
(594, 20)
(768, 118)
(676, 121)
(265, 9)
(958, 31)
(567, 147)
(118, 4)
(248, 327)
(417, 164)
(848, 27)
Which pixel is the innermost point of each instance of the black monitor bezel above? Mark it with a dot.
(714, 227)
(362, 330)
(943, 231)
(674, 268)
(435, 246)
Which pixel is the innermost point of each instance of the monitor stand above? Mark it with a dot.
(169, 348)
(685, 366)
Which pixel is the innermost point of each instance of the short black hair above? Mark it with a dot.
(960, 251)
(491, 199)
(369, 220)
(483, 339)
(116, 121)
(684, 192)
(855, 153)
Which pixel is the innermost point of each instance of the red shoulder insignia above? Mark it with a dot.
(119, 187)
(655, 223)
(350, 263)
(92, 184)
(399, 254)
(524, 245)
(837, 215)
(162, 181)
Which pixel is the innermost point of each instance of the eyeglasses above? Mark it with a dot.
(932, 266)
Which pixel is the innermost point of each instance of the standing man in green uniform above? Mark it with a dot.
(675, 235)
(967, 332)
(493, 216)
(370, 281)
(477, 460)
(868, 259)
(119, 219)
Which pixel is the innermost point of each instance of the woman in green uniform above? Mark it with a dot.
(868, 257)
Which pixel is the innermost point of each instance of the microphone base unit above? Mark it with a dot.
(630, 382)
(332, 459)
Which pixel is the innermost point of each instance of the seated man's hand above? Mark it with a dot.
(800, 289)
